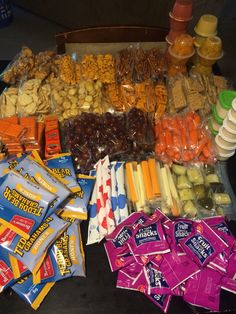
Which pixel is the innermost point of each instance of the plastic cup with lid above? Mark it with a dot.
(182, 10)
(211, 48)
(228, 133)
(224, 102)
(233, 111)
(214, 126)
(207, 25)
(227, 137)
(223, 152)
(225, 156)
(224, 145)
(229, 125)
(177, 25)
(172, 35)
(216, 117)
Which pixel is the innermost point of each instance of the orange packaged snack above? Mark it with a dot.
(52, 137)
(30, 124)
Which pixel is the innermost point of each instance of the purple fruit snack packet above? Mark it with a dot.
(203, 244)
(228, 284)
(231, 269)
(118, 257)
(220, 262)
(203, 289)
(177, 268)
(127, 275)
(219, 225)
(156, 280)
(160, 300)
(140, 283)
(178, 230)
(148, 239)
(124, 281)
(133, 220)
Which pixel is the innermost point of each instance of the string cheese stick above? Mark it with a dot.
(164, 207)
(127, 192)
(141, 186)
(166, 187)
(130, 178)
(136, 186)
(147, 180)
(154, 177)
(175, 197)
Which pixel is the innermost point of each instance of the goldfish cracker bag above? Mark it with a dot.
(23, 204)
(32, 294)
(65, 258)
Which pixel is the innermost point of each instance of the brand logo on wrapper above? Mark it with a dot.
(223, 227)
(124, 234)
(23, 202)
(156, 278)
(147, 234)
(159, 298)
(63, 255)
(182, 230)
(200, 247)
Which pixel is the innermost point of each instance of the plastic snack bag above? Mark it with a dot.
(32, 294)
(64, 259)
(203, 289)
(23, 204)
(203, 244)
(33, 171)
(32, 252)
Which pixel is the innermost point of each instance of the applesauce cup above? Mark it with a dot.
(182, 10)
(207, 25)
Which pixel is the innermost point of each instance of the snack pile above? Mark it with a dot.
(130, 140)
(162, 258)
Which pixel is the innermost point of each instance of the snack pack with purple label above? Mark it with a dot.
(203, 289)
(203, 244)
(149, 239)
